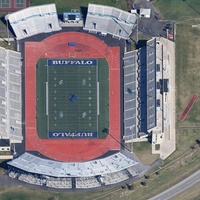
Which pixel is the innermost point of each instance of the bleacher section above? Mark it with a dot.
(87, 182)
(151, 83)
(109, 20)
(132, 171)
(28, 178)
(34, 164)
(116, 177)
(106, 171)
(34, 20)
(140, 91)
(11, 97)
(59, 182)
(130, 95)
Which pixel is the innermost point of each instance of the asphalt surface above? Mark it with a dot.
(179, 187)
(153, 26)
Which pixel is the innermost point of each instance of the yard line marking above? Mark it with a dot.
(47, 99)
(47, 104)
(97, 98)
(97, 80)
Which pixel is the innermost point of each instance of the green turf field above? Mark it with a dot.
(55, 85)
(67, 5)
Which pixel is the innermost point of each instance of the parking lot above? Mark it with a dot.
(153, 26)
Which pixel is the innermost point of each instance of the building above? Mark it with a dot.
(146, 13)
(4, 145)
(13, 5)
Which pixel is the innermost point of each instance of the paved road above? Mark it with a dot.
(179, 187)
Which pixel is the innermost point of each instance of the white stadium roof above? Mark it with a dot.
(111, 20)
(34, 20)
(10, 95)
(110, 164)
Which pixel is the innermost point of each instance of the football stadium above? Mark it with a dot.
(73, 98)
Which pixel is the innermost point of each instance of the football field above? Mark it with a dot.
(72, 98)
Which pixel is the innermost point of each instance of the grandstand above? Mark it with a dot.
(130, 95)
(60, 183)
(34, 164)
(34, 20)
(140, 91)
(105, 171)
(151, 83)
(113, 21)
(11, 97)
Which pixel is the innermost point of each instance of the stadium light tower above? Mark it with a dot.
(12, 130)
(138, 18)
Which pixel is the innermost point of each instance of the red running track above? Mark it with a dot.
(188, 108)
(56, 46)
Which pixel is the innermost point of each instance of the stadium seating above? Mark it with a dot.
(87, 182)
(132, 171)
(11, 97)
(130, 95)
(116, 177)
(151, 80)
(110, 164)
(140, 91)
(13, 174)
(28, 178)
(111, 169)
(60, 183)
(109, 20)
(34, 20)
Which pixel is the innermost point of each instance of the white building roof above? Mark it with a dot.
(10, 95)
(110, 164)
(111, 20)
(144, 12)
(34, 20)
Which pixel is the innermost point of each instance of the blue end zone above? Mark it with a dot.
(71, 62)
(73, 134)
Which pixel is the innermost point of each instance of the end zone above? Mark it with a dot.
(73, 134)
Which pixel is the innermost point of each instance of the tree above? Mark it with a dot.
(157, 173)
(124, 186)
(143, 183)
(130, 186)
(146, 176)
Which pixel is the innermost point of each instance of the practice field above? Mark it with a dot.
(72, 98)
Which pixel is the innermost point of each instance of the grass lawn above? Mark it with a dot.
(66, 5)
(80, 115)
(187, 71)
(178, 9)
(22, 193)
(143, 151)
(4, 44)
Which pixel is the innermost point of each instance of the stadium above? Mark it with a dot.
(73, 98)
